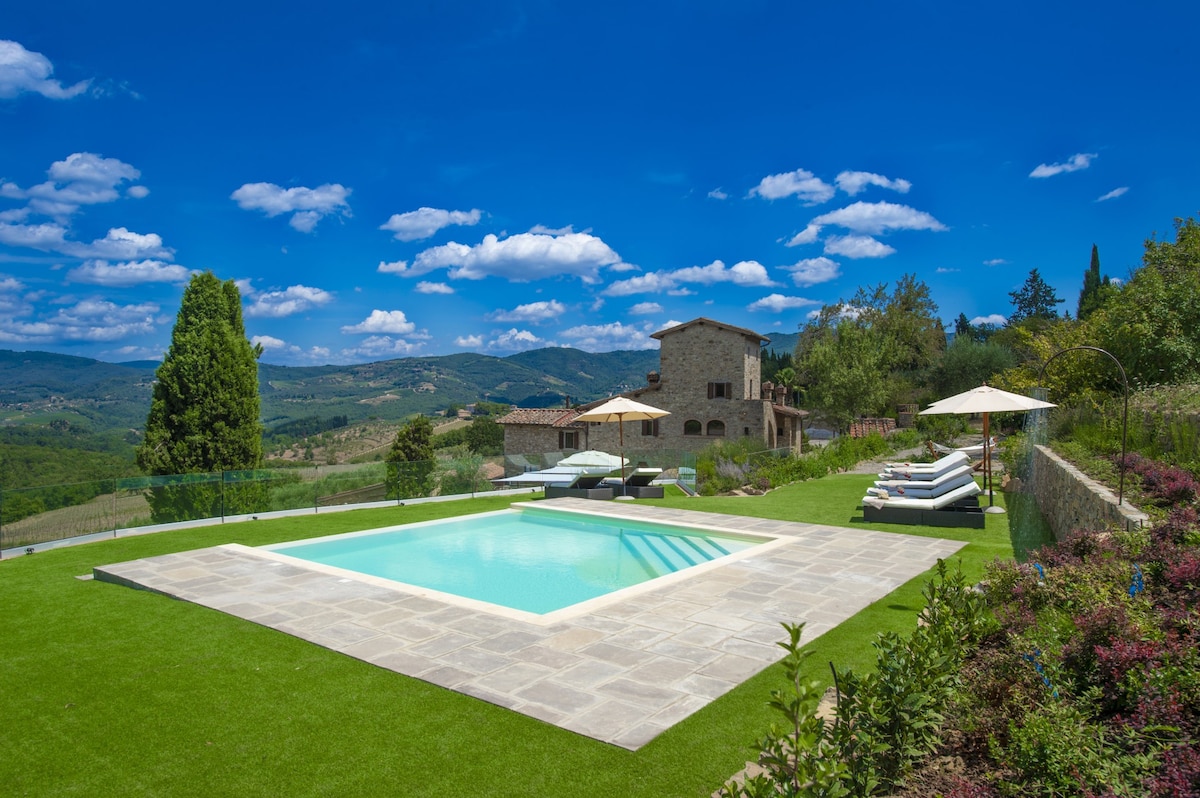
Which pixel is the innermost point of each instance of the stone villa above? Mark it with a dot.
(708, 379)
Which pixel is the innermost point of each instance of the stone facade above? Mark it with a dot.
(537, 431)
(708, 381)
(1069, 499)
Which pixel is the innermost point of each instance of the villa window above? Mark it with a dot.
(716, 428)
(650, 428)
(720, 390)
(568, 439)
(692, 427)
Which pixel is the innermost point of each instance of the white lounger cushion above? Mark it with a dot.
(922, 490)
(945, 465)
(952, 460)
(926, 484)
(964, 492)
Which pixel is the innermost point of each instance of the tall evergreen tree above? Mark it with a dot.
(963, 328)
(1095, 288)
(204, 413)
(1035, 299)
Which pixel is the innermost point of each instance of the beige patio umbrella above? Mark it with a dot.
(984, 400)
(621, 409)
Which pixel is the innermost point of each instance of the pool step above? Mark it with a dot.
(663, 554)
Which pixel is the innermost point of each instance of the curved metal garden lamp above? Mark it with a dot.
(1125, 416)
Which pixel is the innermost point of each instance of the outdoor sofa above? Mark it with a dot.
(637, 484)
(583, 486)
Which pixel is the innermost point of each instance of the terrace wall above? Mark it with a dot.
(1069, 499)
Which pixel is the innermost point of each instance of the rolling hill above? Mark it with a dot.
(39, 388)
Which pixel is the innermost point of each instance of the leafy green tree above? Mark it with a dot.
(204, 413)
(907, 321)
(1096, 289)
(1152, 324)
(846, 372)
(485, 436)
(968, 364)
(1035, 299)
(410, 462)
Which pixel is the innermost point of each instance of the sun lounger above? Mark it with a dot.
(923, 488)
(956, 508)
(973, 452)
(910, 471)
(637, 484)
(584, 486)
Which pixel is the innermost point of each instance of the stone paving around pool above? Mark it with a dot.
(621, 673)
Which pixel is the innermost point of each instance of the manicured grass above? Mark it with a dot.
(126, 692)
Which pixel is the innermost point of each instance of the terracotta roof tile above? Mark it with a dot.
(542, 417)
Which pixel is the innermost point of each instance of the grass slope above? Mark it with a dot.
(103, 685)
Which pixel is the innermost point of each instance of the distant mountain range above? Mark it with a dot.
(41, 387)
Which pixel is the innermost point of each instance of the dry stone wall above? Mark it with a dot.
(1069, 499)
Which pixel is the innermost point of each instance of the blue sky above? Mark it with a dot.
(403, 178)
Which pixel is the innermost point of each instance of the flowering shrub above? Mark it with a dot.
(1165, 485)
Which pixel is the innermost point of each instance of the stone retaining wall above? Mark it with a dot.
(1069, 499)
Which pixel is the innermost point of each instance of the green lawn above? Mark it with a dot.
(107, 689)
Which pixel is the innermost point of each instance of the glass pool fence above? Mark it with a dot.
(29, 516)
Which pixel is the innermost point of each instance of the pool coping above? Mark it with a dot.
(621, 672)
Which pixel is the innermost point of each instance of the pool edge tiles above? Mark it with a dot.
(620, 674)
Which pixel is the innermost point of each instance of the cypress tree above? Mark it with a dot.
(1095, 288)
(204, 414)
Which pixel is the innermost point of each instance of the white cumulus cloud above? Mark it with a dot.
(469, 341)
(24, 71)
(801, 183)
(268, 342)
(130, 273)
(292, 300)
(515, 340)
(777, 303)
(610, 337)
(533, 313)
(425, 287)
(717, 194)
(381, 346)
(994, 318)
(307, 205)
(646, 308)
(424, 222)
(879, 217)
(806, 236)
(854, 182)
(395, 267)
(812, 271)
(521, 258)
(393, 322)
(857, 247)
(747, 273)
(82, 178)
(120, 244)
(1080, 160)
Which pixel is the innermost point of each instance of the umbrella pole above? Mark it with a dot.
(988, 476)
(621, 438)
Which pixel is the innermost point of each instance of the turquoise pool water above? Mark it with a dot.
(527, 559)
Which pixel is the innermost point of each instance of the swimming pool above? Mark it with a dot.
(528, 559)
